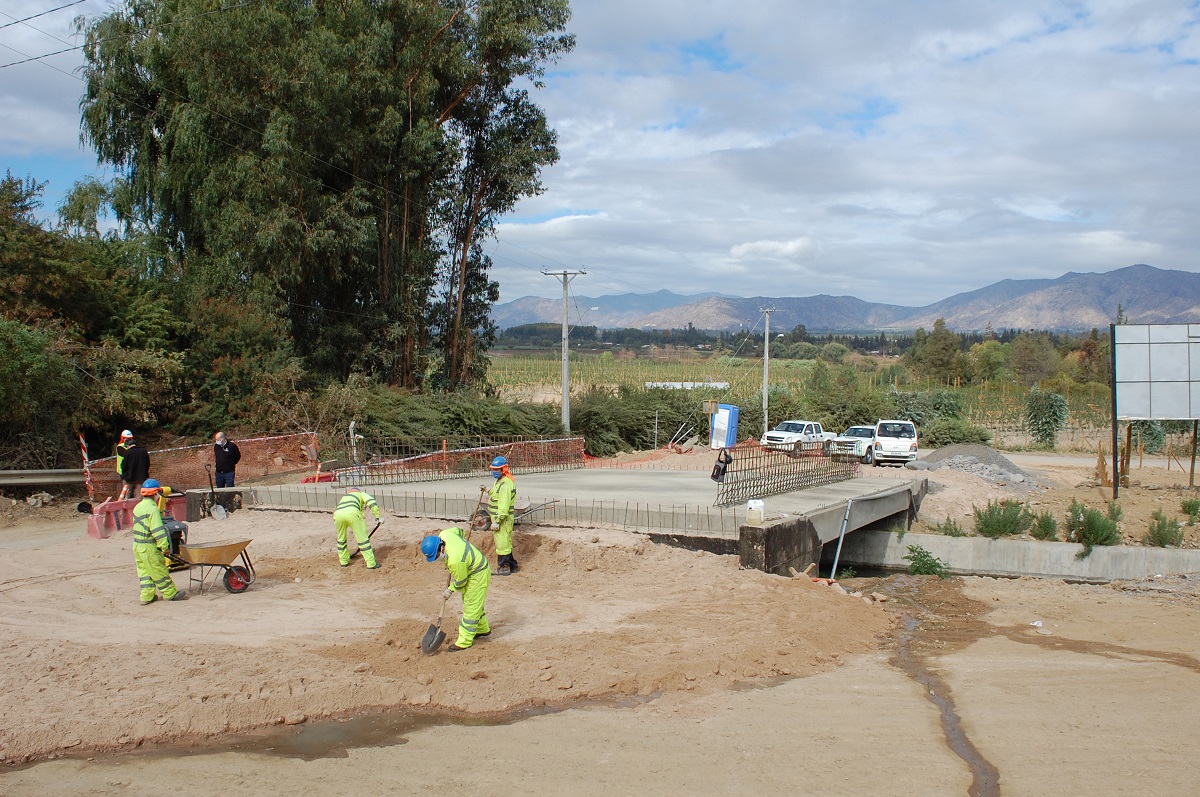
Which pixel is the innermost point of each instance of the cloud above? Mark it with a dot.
(795, 249)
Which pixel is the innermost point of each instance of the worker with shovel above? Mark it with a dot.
(501, 498)
(350, 514)
(470, 574)
(150, 544)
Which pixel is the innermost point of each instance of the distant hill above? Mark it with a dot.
(1074, 301)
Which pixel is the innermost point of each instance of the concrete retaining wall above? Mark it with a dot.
(987, 557)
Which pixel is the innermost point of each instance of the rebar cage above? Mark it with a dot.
(402, 460)
(754, 471)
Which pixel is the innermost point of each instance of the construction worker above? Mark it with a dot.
(126, 436)
(150, 543)
(135, 466)
(501, 497)
(350, 513)
(226, 456)
(469, 574)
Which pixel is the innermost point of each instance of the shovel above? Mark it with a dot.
(434, 635)
(369, 536)
(214, 509)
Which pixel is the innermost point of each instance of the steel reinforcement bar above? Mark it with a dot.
(754, 471)
(524, 456)
(631, 515)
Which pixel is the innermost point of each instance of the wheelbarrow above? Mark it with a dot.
(522, 510)
(211, 557)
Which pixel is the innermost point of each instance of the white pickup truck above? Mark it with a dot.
(791, 433)
(857, 442)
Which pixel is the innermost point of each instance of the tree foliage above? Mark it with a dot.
(1045, 415)
(328, 169)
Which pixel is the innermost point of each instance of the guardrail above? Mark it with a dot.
(22, 478)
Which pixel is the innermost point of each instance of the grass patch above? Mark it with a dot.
(1045, 527)
(1002, 519)
(950, 528)
(1090, 527)
(1191, 508)
(1164, 531)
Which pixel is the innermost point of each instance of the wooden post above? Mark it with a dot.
(1128, 450)
(1192, 472)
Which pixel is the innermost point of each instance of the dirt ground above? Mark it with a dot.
(683, 673)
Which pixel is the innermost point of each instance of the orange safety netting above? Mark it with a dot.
(183, 468)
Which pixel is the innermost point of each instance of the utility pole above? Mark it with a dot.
(566, 277)
(766, 364)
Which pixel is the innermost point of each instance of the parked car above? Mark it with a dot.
(857, 442)
(895, 441)
(791, 434)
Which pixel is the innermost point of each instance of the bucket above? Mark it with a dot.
(754, 512)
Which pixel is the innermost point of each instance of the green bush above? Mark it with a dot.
(1002, 518)
(1045, 527)
(925, 406)
(1045, 414)
(1191, 508)
(1090, 527)
(947, 431)
(1149, 434)
(1164, 531)
(1115, 511)
(950, 528)
(846, 573)
(922, 563)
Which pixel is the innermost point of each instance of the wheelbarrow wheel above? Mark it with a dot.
(237, 579)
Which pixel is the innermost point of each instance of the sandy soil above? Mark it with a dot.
(686, 674)
(593, 614)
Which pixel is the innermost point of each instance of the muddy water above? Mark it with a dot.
(938, 620)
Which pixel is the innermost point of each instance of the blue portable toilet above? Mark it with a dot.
(723, 427)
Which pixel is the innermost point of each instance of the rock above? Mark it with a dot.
(421, 700)
(362, 667)
(295, 719)
(478, 675)
(72, 743)
(868, 601)
(543, 665)
(917, 464)
(856, 594)
(424, 679)
(595, 538)
(567, 684)
(297, 579)
(546, 676)
(838, 588)
(539, 701)
(278, 460)
(880, 597)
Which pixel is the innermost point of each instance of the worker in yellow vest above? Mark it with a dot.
(470, 574)
(501, 498)
(350, 514)
(126, 436)
(150, 543)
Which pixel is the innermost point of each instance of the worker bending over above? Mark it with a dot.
(350, 514)
(469, 574)
(501, 498)
(150, 543)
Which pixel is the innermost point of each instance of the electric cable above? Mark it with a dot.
(16, 21)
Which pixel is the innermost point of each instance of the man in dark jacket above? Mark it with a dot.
(135, 467)
(225, 459)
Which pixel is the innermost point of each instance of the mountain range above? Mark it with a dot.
(1073, 302)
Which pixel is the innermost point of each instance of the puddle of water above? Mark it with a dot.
(334, 738)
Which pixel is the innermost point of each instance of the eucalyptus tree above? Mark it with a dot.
(329, 167)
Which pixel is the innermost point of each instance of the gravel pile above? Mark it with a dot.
(979, 460)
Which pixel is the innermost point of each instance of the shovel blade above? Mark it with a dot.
(433, 639)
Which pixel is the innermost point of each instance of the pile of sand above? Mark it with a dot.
(594, 613)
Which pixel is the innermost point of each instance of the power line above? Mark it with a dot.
(35, 16)
(28, 58)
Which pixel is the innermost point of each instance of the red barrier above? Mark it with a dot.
(113, 516)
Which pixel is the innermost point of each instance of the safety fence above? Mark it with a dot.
(183, 468)
(457, 509)
(429, 459)
(749, 470)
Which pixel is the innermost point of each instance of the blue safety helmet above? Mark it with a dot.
(497, 464)
(151, 484)
(429, 547)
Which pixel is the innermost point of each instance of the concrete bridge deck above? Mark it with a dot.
(673, 507)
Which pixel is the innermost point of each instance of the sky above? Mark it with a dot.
(899, 152)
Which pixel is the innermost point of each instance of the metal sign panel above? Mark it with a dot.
(1156, 371)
